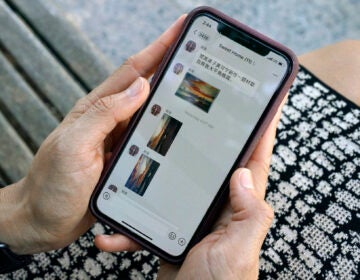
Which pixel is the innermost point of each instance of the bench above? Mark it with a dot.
(46, 64)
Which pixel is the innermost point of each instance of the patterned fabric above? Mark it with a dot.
(82, 260)
(314, 188)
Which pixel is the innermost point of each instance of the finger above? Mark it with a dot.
(259, 162)
(252, 216)
(141, 64)
(101, 118)
(115, 243)
(116, 136)
(243, 178)
(224, 218)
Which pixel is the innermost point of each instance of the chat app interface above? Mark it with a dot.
(192, 131)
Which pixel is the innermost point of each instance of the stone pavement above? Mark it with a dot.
(120, 28)
(46, 63)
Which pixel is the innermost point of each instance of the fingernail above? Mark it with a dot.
(105, 236)
(245, 179)
(135, 87)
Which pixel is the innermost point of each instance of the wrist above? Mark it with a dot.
(16, 228)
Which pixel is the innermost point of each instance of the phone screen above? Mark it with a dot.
(205, 107)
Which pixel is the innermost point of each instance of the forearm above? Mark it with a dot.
(16, 228)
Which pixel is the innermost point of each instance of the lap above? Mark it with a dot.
(338, 66)
(313, 180)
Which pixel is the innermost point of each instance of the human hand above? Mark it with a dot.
(232, 249)
(48, 209)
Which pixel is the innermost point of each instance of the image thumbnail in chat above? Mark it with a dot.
(142, 175)
(197, 92)
(164, 134)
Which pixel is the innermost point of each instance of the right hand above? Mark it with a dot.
(232, 249)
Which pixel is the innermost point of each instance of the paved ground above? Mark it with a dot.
(119, 28)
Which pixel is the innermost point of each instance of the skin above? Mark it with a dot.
(48, 209)
(338, 66)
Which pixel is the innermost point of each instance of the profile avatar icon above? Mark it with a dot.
(178, 68)
(190, 46)
(113, 188)
(155, 109)
(133, 150)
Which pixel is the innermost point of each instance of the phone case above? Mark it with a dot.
(260, 128)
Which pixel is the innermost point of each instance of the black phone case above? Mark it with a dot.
(263, 123)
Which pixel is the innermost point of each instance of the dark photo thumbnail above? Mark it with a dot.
(155, 109)
(142, 175)
(178, 68)
(133, 150)
(197, 92)
(190, 46)
(164, 134)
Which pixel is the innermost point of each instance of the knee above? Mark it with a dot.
(350, 43)
(349, 50)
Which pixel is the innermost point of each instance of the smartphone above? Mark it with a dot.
(211, 99)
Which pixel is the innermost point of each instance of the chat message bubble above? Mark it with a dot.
(222, 70)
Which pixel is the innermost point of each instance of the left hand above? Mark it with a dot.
(48, 209)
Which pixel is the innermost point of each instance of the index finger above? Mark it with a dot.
(141, 64)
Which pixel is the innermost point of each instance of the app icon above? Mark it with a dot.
(106, 196)
(182, 241)
(172, 235)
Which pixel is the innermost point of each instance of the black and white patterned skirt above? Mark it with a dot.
(314, 188)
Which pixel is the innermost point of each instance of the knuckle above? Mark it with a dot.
(265, 164)
(269, 212)
(80, 107)
(104, 104)
(132, 65)
(265, 213)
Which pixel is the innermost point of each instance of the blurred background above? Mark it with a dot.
(120, 28)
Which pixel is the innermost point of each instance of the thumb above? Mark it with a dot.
(103, 116)
(250, 212)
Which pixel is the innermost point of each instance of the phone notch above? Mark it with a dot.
(243, 39)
